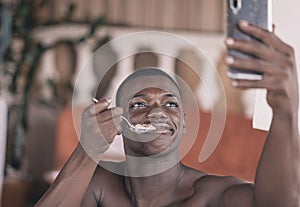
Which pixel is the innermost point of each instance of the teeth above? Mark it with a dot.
(145, 127)
(161, 125)
(163, 128)
(157, 127)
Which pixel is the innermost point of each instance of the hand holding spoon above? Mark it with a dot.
(139, 128)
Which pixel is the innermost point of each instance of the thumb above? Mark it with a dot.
(99, 106)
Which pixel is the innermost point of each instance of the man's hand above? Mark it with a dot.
(100, 125)
(275, 60)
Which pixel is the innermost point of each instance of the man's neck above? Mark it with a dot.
(147, 166)
(146, 191)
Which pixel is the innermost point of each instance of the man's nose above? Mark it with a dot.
(157, 113)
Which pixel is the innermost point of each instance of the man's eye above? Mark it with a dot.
(171, 104)
(138, 105)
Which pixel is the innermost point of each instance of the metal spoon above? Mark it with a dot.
(139, 128)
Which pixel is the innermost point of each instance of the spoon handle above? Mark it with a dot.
(129, 124)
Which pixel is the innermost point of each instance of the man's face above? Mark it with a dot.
(160, 108)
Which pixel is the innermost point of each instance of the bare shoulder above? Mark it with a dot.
(204, 180)
(103, 181)
(106, 177)
(216, 190)
(193, 175)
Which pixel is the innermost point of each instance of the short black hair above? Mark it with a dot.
(144, 72)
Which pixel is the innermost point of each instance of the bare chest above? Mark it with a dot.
(175, 201)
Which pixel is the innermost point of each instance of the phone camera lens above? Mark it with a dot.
(235, 3)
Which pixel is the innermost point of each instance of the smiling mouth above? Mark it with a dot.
(161, 128)
(144, 128)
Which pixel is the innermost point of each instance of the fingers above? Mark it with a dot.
(111, 123)
(108, 120)
(255, 49)
(244, 84)
(99, 106)
(109, 114)
(271, 56)
(250, 64)
(111, 128)
(99, 126)
(267, 37)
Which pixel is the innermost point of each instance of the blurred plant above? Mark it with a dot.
(19, 57)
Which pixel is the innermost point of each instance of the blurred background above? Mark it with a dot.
(43, 47)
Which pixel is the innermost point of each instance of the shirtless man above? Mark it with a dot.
(155, 99)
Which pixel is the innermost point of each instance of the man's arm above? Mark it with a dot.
(69, 187)
(99, 127)
(277, 177)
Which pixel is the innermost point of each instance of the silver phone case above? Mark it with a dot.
(258, 12)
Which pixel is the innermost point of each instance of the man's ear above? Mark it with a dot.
(184, 124)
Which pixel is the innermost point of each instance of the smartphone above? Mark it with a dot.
(257, 12)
